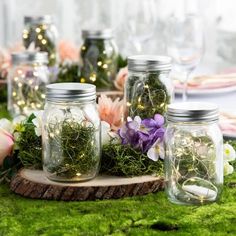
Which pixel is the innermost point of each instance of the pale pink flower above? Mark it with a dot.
(5, 61)
(121, 78)
(5, 58)
(68, 51)
(111, 111)
(6, 144)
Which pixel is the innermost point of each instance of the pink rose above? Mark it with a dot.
(68, 51)
(6, 144)
(121, 78)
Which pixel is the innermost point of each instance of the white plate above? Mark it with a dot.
(207, 91)
(229, 135)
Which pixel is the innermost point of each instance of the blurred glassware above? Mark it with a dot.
(185, 44)
(140, 23)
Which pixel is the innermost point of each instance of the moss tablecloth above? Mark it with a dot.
(147, 215)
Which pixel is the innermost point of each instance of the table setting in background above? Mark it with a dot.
(89, 125)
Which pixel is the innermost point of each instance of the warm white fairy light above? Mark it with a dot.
(44, 41)
(20, 85)
(93, 77)
(105, 66)
(40, 36)
(99, 63)
(38, 30)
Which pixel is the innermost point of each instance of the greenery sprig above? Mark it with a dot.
(121, 160)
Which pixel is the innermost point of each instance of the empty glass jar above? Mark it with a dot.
(194, 153)
(41, 33)
(99, 59)
(27, 82)
(148, 89)
(71, 132)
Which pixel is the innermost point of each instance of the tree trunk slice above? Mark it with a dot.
(34, 184)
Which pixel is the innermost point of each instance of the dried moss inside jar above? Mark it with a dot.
(42, 32)
(71, 132)
(148, 89)
(99, 59)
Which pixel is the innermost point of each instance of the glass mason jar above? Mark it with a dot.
(148, 89)
(99, 59)
(194, 153)
(42, 34)
(27, 82)
(71, 132)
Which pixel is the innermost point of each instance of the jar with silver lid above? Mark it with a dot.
(194, 153)
(71, 132)
(148, 89)
(99, 58)
(41, 32)
(27, 82)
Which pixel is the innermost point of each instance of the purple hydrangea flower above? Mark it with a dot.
(142, 134)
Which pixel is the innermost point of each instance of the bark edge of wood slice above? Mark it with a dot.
(34, 184)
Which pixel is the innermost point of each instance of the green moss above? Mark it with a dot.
(145, 215)
(152, 214)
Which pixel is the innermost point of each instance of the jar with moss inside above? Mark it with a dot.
(42, 33)
(194, 153)
(27, 82)
(71, 132)
(99, 59)
(148, 89)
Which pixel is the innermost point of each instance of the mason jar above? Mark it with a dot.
(194, 153)
(99, 59)
(41, 33)
(148, 89)
(27, 82)
(71, 132)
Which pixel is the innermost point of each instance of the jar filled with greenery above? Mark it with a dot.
(148, 89)
(99, 59)
(42, 33)
(27, 82)
(71, 132)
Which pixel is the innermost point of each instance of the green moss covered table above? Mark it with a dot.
(151, 214)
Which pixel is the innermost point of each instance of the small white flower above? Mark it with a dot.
(6, 125)
(37, 121)
(228, 169)
(156, 151)
(229, 153)
(18, 119)
(105, 129)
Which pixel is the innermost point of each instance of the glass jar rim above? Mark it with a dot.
(192, 112)
(97, 33)
(29, 57)
(46, 19)
(144, 63)
(70, 92)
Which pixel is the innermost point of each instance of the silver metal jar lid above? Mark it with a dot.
(29, 57)
(192, 112)
(70, 92)
(46, 19)
(144, 63)
(97, 34)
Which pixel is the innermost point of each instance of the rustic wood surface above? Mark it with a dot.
(34, 184)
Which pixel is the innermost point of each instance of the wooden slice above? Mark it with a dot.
(34, 184)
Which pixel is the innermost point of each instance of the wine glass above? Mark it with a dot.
(185, 44)
(140, 22)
